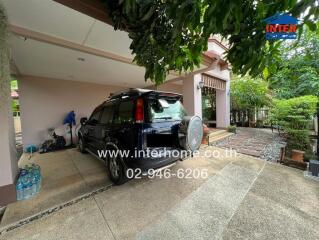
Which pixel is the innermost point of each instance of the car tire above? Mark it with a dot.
(82, 145)
(117, 171)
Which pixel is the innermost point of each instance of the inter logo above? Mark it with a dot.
(281, 26)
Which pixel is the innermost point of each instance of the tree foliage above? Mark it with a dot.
(298, 68)
(248, 93)
(14, 84)
(15, 105)
(171, 35)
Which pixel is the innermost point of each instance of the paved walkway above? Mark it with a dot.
(242, 198)
(257, 142)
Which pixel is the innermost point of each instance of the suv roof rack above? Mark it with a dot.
(138, 92)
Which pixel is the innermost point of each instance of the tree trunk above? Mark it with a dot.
(234, 116)
(243, 119)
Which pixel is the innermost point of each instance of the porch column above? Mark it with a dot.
(192, 96)
(223, 107)
(8, 159)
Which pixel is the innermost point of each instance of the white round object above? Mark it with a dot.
(191, 130)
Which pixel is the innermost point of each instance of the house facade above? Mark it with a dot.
(66, 56)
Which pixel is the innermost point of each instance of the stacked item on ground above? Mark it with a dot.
(29, 182)
(60, 137)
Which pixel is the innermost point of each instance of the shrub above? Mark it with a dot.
(294, 115)
(231, 129)
(300, 107)
(259, 123)
(298, 139)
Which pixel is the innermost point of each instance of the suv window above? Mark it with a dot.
(125, 112)
(107, 115)
(95, 116)
(165, 109)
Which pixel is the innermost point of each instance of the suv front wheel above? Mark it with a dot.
(116, 170)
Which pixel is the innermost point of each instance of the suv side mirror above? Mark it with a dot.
(83, 120)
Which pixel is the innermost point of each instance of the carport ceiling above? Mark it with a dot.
(44, 58)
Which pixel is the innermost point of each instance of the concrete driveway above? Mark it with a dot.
(243, 198)
(66, 176)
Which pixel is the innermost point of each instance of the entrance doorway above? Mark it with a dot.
(209, 106)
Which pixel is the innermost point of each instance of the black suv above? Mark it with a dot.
(130, 124)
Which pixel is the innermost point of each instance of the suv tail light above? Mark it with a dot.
(139, 111)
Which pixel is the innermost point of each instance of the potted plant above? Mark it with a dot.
(293, 116)
(298, 142)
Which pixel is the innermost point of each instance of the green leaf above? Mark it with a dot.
(266, 73)
(312, 26)
(171, 35)
(148, 14)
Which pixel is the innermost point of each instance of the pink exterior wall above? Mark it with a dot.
(8, 159)
(222, 99)
(44, 103)
(223, 107)
(169, 87)
(192, 96)
(217, 72)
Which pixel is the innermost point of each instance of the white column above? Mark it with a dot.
(192, 96)
(223, 107)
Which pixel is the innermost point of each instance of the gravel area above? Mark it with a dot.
(257, 142)
(271, 152)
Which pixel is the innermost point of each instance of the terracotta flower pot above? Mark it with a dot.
(205, 134)
(297, 155)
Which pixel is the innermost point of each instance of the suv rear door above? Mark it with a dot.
(164, 113)
(123, 127)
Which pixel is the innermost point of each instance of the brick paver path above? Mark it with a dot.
(252, 141)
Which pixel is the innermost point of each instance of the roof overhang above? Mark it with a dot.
(212, 56)
(92, 8)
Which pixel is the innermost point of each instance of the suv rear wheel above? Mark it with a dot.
(116, 170)
(81, 144)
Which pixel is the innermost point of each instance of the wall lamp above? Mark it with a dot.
(200, 85)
